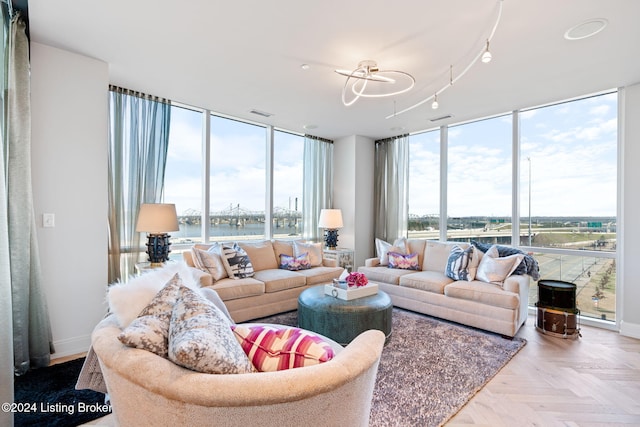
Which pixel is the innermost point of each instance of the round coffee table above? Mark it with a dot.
(343, 320)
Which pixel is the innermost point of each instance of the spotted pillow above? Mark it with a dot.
(402, 261)
(296, 263)
(150, 330)
(272, 348)
(200, 337)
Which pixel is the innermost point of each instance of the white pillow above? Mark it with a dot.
(383, 248)
(127, 300)
(314, 250)
(495, 269)
(209, 261)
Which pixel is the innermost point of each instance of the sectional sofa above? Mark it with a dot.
(487, 295)
(279, 272)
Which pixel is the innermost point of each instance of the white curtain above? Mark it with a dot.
(31, 328)
(138, 141)
(391, 188)
(317, 190)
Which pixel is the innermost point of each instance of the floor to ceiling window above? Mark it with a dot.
(288, 154)
(424, 185)
(568, 197)
(479, 181)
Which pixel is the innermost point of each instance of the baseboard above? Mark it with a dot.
(630, 329)
(70, 346)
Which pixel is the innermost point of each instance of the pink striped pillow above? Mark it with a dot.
(272, 348)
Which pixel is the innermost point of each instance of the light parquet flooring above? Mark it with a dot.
(589, 381)
(585, 382)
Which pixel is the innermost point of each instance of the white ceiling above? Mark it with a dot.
(235, 56)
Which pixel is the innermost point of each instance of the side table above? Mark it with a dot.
(344, 257)
(342, 320)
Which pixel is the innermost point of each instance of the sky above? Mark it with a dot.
(570, 147)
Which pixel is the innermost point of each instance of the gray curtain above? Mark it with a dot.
(31, 328)
(6, 309)
(391, 188)
(317, 185)
(138, 140)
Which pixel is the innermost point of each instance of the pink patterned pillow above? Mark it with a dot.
(300, 262)
(272, 348)
(404, 262)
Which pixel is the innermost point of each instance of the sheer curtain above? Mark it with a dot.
(317, 184)
(19, 257)
(138, 141)
(391, 187)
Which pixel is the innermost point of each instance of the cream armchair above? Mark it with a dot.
(146, 389)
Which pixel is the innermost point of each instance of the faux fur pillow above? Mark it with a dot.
(127, 300)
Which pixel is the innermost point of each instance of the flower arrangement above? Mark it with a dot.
(357, 280)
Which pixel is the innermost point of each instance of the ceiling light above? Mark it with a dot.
(482, 54)
(305, 66)
(368, 81)
(435, 102)
(586, 29)
(261, 113)
(486, 56)
(310, 127)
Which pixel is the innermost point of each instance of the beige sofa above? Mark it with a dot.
(146, 389)
(496, 308)
(271, 290)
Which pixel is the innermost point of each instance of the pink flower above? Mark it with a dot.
(357, 279)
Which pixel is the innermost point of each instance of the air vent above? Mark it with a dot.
(261, 113)
(437, 119)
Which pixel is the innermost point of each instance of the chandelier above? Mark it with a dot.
(368, 81)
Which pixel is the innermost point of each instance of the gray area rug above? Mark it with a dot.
(430, 368)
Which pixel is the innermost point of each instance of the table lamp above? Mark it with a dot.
(331, 221)
(156, 219)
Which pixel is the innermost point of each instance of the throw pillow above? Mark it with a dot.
(273, 348)
(314, 250)
(495, 269)
(261, 254)
(236, 261)
(462, 264)
(383, 248)
(403, 261)
(295, 263)
(209, 261)
(200, 337)
(150, 330)
(126, 300)
(213, 296)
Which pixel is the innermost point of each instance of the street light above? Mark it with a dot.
(529, 160)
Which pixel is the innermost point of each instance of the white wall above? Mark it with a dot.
(69, 161)
(630, 324)
(353, 158)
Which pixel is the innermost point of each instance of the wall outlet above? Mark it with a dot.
(48, 220)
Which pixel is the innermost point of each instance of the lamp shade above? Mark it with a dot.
(330, 218)
(157, 218)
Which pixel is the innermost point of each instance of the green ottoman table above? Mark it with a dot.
(343, 320)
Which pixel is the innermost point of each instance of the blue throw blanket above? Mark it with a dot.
(529, 265)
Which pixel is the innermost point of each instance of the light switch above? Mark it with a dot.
(48, 220)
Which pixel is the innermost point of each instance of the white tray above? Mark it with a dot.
(351, 293)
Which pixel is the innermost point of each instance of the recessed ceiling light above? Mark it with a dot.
(586, 29)
(305, 66)
(396, 128)
(310, 127)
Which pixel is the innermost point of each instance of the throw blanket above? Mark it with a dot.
(91, 375)
(529, 265)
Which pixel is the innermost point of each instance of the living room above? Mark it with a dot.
(69, 92)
